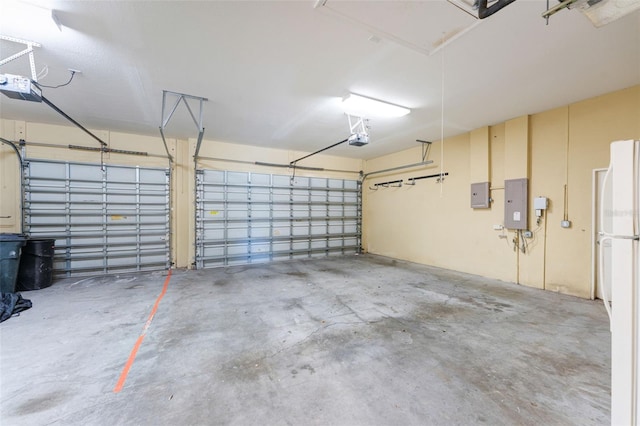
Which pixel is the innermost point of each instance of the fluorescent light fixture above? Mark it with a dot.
(362, 106)
(37, 19)
(56, 20)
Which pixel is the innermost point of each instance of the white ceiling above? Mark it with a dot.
(274, 71)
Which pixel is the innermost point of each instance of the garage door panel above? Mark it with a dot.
(299, 212)
(262, 212)
(238, 212)
(121, 198)
(281, 180)
(238, 249)
(257, 232)
(260, 197)
(214, 234)
(282, 231)
(237, 178)
(82, 172)
(236, 195)
(104, 218)
(318, 229)
(235, 233)
(280, 212)
(302, 182)
(259, 247)
(55, 171)
(47, 195)
(262, 217)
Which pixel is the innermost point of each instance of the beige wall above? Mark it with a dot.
(45, 141)
(433, 224)
(428, 223)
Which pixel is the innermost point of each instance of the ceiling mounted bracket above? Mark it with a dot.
(426, 145)
(551, 11)
(167, 117)
(484, 11)
(357, 124)
(358, 130)
(28, 51)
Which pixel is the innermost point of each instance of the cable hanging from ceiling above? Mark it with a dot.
(442, 122)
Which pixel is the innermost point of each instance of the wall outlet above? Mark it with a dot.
(498, 227)
(528, 234)
(565, 224)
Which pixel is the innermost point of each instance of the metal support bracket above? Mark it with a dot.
(28, 51)
(166, 117)
(358, 125)
(551, 11)
(426, 145)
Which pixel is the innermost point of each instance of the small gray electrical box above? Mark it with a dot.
(516, 195)
(540, 203)
(480, 195)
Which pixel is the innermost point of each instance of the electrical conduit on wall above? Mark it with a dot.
(516, 165)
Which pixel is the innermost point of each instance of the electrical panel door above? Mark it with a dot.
(515, 203)
(480, 195)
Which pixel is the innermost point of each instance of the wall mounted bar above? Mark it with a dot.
(389, 184)
(437, 175)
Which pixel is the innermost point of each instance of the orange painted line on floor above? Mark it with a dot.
(136, 346)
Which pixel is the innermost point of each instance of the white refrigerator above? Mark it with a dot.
(620, 227)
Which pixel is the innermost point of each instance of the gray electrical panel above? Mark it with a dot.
(480, 195)
(515, 203)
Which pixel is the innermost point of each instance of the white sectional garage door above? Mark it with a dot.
(246, 218)
(104, 219)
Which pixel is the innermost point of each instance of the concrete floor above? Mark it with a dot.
(358, 340)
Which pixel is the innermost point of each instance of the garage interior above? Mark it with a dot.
(236, 244)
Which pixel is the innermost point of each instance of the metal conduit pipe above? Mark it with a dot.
(8, 142)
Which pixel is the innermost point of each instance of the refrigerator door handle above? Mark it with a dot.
(619, 237)
(604, 236)
(607, 304)
(602, 207)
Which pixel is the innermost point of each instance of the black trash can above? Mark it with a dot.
(36, 265)
(10, 249)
